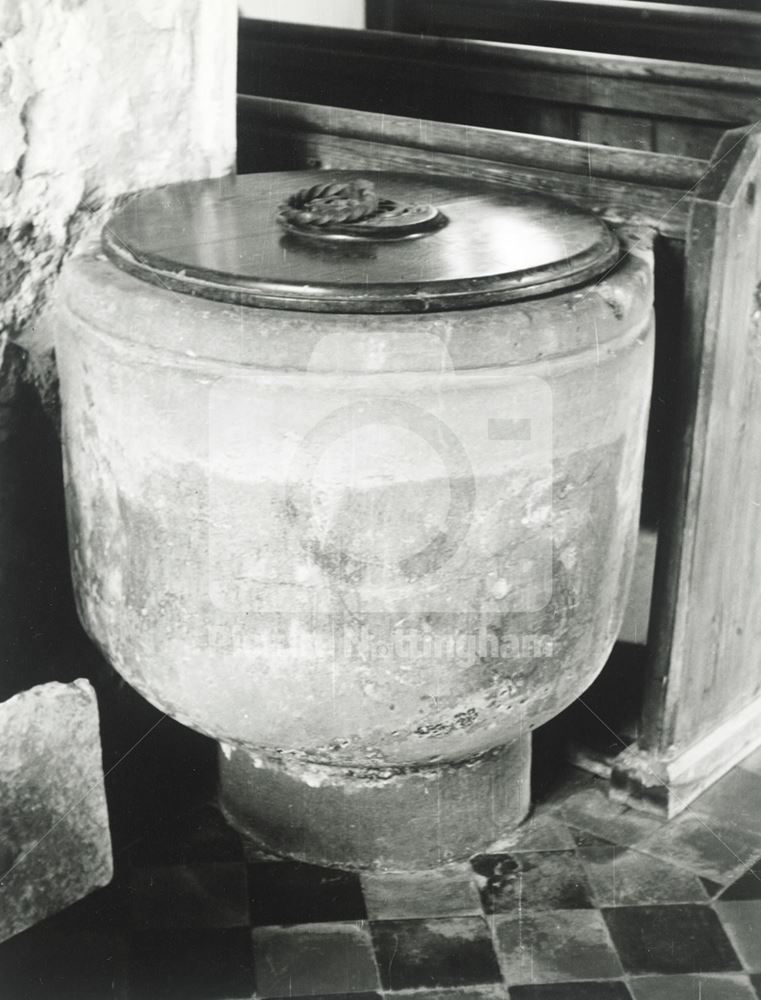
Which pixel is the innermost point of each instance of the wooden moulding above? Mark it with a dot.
(666, 783)
(702, 710)
(683, 31)
(640, 103)
(592, 79)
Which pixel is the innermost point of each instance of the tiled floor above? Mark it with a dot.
(588, 901)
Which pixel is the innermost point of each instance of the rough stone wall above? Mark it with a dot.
(97, 98)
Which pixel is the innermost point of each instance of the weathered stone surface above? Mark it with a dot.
(55, 845)
(192, 551)
(339, 615)
(422, 818)
(98, 98)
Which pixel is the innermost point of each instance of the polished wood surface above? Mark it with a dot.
(706, 633)
(222, 239)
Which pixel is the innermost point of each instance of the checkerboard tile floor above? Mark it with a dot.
(587, 901)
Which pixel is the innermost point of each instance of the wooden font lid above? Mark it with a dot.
(356, 241)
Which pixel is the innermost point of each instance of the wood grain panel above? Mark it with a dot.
(706, 632)
(632, 166)
(481, 83)
(698, 32)
(686, 138)
(629, 131)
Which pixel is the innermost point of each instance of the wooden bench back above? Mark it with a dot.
(705, 31)
(643, 104)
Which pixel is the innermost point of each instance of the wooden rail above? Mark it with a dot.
(645, 104)
(697, 32)
(641, 188)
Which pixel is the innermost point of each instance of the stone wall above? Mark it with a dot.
(100, 97)
(97, 98)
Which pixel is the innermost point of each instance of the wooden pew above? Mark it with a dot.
(727, 32)
(698, 687)
(668, 107)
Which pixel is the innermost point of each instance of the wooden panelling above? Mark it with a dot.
(615, 99)
(706, 633)
(693, 32)
(629, 131)
(687, 138)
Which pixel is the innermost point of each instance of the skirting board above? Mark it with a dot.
(667, 783)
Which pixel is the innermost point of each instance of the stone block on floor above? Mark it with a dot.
(55, 845)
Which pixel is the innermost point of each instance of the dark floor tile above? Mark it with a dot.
(670, 939)
(442, 892)
(693, 987)
(44, 963)
(555, 946)
(314, 960)
(200, 895)
(711, 848)
(534, 880)
(620, 876)
(282, 892)
(191, 964)
(736, 797)
(747, 886)
(200, 837)
(602, 990)
(434, 953)
(742, 922)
